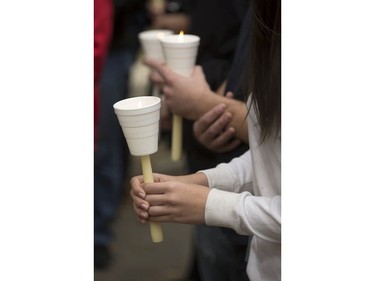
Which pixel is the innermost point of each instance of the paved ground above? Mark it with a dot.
(136, 257)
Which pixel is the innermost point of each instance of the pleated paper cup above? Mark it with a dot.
(151, 45)
(180, 52)
(139, 119)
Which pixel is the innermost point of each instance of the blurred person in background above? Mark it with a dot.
(169, 14)
(111, 155)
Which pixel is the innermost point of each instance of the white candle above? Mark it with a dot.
(151, 47)
(176, 138)
(155, 228)
(150, 43)
(139, 119)
(180, 37)
(180, 53)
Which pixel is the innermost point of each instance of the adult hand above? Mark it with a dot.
(156, 79)
(212, 130)
(184, 95)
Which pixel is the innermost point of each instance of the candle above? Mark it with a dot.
(151, 47)
(180, 53)
(176, 138)
(155, 228)
(150, 43)
(180, 37)
(139, 119)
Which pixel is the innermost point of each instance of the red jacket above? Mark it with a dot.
(103, 25)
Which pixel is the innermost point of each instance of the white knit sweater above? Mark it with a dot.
(246, 196)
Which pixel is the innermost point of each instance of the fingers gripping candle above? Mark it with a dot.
(180, 53)
(139, 120)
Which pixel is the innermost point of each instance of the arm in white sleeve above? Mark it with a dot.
(234, 176)
(245, 213)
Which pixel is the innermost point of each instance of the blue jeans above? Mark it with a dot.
(111, 154)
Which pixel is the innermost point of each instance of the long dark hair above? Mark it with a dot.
(264, 65)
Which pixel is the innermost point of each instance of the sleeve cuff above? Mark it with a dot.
(221, 177)
(220, 208)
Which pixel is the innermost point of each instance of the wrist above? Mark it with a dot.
(204, 102)
(201, 178)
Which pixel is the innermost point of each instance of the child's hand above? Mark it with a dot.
(138, 195)
(176, 202)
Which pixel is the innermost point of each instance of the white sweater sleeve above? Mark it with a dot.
(231, 202)
(234, 176)
(245, 213)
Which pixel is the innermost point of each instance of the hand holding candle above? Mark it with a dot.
(139, 120)
(180, 52)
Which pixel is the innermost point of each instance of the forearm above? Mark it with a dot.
(237, 108)
(235, 176)
(196, 178)
(249, 214)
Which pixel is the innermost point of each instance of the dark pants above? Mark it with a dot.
(111, 155)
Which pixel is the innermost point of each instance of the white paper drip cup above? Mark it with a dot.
(151, 45)
(180, 52)
(139, 119)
